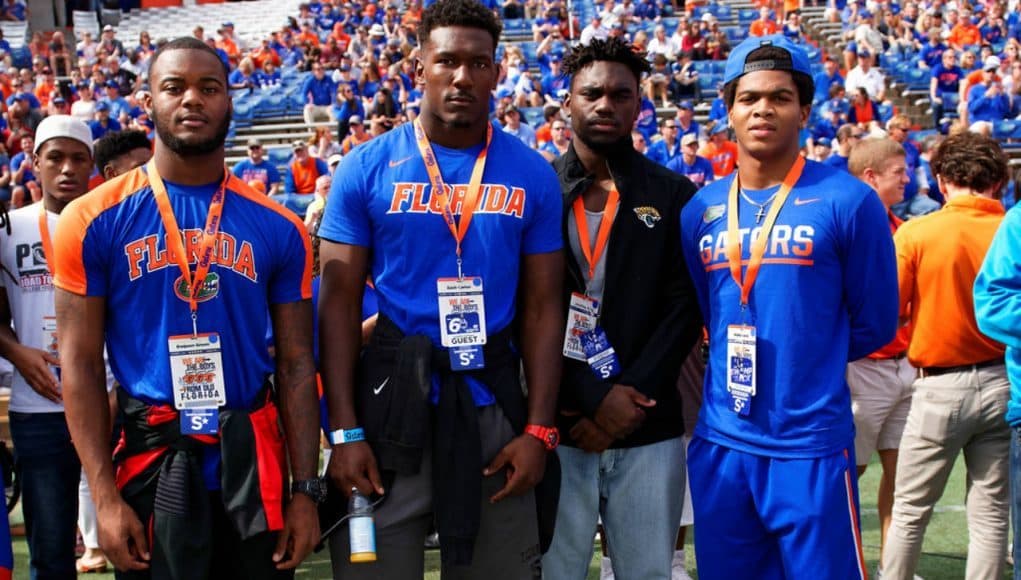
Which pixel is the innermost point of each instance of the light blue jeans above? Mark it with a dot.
(638, 492)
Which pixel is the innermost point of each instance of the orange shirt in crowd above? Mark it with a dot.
(963, 35)
(229, 46)
(307, 36)
(305, 175)
(43, 91)
(723, 158)
(263, 54)
(763, 28)
(352, 141)
(899, 344)
(343, 39)
(938, 258)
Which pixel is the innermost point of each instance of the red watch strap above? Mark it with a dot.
(550, 436)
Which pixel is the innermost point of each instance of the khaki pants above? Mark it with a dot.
(952, 413)
(317, 113)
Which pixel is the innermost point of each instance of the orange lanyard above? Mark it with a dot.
(176, 245)
(472, 196)
(44, 233)
(760, 243)
(591, 254)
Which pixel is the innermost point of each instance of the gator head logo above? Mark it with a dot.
(647, 215)
(713, 213)
(210, 288)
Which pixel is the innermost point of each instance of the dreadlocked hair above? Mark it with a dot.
(611, 50)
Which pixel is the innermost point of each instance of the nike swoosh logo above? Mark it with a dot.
(379, 389)
(799, 201)
(399, 161)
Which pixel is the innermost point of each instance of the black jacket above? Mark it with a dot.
(649, 309)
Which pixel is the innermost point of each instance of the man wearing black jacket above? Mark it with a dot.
(631, 320)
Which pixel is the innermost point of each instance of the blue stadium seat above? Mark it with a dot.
(243, 112)
(272, 104)
(746, 16)
(704, 67)
(279, 156)
(295, 103)
(917, 79)
(885, 112)
(1003, 130)
(532, 116)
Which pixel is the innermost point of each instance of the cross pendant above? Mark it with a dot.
(760, 214)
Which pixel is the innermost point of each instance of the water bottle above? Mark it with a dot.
(361, 528)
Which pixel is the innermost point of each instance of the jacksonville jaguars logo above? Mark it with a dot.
(647, 215)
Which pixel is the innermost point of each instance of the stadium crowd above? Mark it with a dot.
(358, 64)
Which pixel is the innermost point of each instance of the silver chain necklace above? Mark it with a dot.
(762, 206)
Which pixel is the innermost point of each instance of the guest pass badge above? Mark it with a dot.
(462, 321)
(196, 367)
(741, 367)
(581, 318)
(599, 354)
(50, 340)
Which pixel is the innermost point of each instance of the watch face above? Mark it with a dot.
(552, 438)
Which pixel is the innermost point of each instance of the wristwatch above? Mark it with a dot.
(550, 436)
(314, 488)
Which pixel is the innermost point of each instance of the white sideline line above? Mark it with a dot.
(940, 509)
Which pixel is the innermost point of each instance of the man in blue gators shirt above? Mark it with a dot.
(772, 459)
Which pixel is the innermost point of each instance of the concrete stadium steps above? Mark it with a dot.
(273, 133)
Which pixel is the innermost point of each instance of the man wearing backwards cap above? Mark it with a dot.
(47, 462)
(772, 459)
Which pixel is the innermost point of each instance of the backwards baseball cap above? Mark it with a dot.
(737, 67)
(63, 126)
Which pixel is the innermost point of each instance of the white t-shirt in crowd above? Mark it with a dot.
(29, 287)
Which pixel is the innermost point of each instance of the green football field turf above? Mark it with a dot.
(942, 559)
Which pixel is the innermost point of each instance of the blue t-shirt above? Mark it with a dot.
(322, 90)
(826, 294)
(948, 80)
(114, 245)
(932, 55)
(264, 171)
(98, 130)
(823, 82)
(836, 161)
(381, 199)
(662, 153)
(646, 123)
(700, 172)
(28, 175)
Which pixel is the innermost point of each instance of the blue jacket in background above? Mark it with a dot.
(322, 90)
(987, 108)
(998, 303)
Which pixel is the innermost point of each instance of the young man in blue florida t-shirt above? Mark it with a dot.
(458, 226)
(772, 459)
